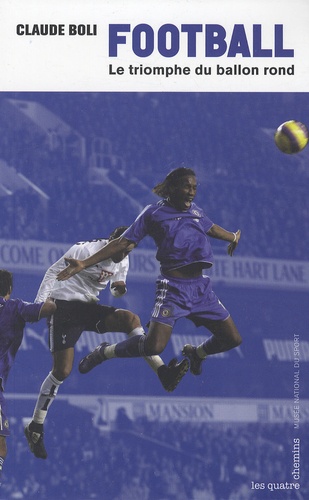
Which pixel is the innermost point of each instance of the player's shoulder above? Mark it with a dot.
(87, 247)
(146, 212)
(196, 210)
(13, 302)
(14, 305)
(95, 242)
(163, 206)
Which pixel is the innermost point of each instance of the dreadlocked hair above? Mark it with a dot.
(163, 188)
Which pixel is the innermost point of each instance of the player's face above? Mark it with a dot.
(184, 192)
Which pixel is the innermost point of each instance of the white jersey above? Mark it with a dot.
(86, 285)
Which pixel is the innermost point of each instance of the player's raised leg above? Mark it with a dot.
(141, 345)
(225, 336)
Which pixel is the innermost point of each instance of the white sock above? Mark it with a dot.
(48, 392)
(139, 330)
(109, 351)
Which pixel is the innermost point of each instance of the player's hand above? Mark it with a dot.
(74, 267)
(118, 288)
(233, 245)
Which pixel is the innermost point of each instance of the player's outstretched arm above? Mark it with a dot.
(231, 247)
(222, 234)
(76, 266)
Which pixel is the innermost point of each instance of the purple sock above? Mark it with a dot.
(131, 348)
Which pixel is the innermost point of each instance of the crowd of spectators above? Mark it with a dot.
(145, 460)
(244, 180)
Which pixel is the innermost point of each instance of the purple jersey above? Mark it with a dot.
(180, 236)
(13, 315)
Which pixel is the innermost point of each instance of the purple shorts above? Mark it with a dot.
(186, 298)
(4, 421)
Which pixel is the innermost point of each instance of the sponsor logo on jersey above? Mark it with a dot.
(105, 275)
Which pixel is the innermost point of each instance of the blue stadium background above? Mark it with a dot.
(75, 165)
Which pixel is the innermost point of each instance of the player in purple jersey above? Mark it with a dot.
(14, 313)
(181, 232)
(78, 310)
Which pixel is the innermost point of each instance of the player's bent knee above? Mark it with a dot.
(231, 333)
(237, 341)
(127, 320)
(62, 373)
(234, 340)
(154, 350)
(158, 350)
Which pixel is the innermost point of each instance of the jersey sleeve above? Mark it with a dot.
(207, 223)
(139, 229)
(29, 311)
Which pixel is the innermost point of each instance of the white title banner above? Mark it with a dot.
(163, 46)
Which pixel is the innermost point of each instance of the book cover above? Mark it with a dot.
(99, 102)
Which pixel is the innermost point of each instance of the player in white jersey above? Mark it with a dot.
(78, 310)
